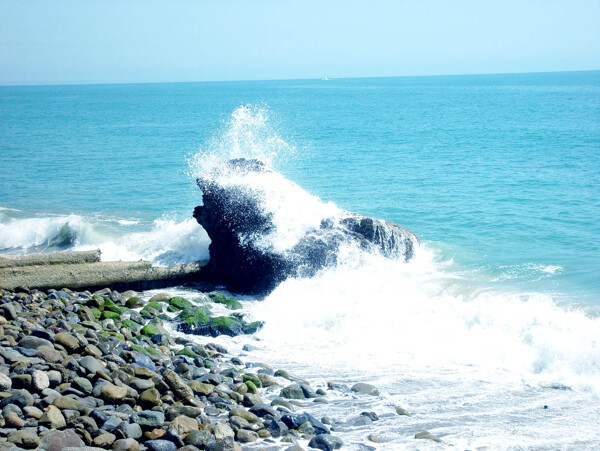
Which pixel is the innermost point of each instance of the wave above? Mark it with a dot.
(368, 312)
(164, 242)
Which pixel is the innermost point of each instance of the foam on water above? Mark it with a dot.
(164, 242)
(375, 314)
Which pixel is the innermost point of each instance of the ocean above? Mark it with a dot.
(490, 336)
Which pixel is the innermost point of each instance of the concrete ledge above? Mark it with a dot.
(140, 275)
(53, 258)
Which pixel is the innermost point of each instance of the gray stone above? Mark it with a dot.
(24, 439)
(178, 385)
(245, 436)
(293, 391)
(365, 388)
(59, 440)
(426, 435)
(199, 439)
(31, 342)
(325, 442)
(141, 384)
(90, 364)
(53, 418)
(83, 384)
(149, 418)
(160, 445)
(126, 444)
(40, 380)
(5, 382)
(222, 431)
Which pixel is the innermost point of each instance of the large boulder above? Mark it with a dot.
(238, 224)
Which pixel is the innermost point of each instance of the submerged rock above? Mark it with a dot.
(239, 226)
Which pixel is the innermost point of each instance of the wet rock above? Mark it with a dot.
(184, 425)
(367, 389)
(222, 431)
(325, 442)
(293, 391)
(245, 436)
(199, 439)
(426, 435)
(294, 420)
(401, 411)
(178, 385)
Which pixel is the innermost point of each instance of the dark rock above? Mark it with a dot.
(236, 223)
(143, 361)
(160, 445)
(325, 442)
(294, 420)
(149, 418)
(31, 342)
(199, 439)
(277, 428)
(293, 391)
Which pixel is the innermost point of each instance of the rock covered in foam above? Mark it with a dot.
(238, 223)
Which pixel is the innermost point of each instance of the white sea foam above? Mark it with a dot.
(378, 312)
(168, 242)
(165, 242)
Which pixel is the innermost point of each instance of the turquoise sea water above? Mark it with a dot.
(501, 172)
(490, 336)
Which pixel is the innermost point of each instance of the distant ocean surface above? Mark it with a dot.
(498, 175)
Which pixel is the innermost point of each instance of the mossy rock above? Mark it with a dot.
(225, 325)
(187, 352)
(155, 305)
(138, 348)
(150, 330)
(171, 309)
(220, 298)
(97, 313)
(112, 333)
(180, 303)
(95, 302)
(134, 302)
(255, 380)
(194, 317)
(107, 314)
(250, 328)
(152, 351)
(110, 306)
(251, 387)
(131, 325)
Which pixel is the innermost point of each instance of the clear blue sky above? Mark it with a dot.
(72, 41)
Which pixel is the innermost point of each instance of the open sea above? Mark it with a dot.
(490, 336)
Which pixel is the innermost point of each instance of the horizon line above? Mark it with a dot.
(324, 78)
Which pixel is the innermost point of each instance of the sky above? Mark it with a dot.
(106, 41)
